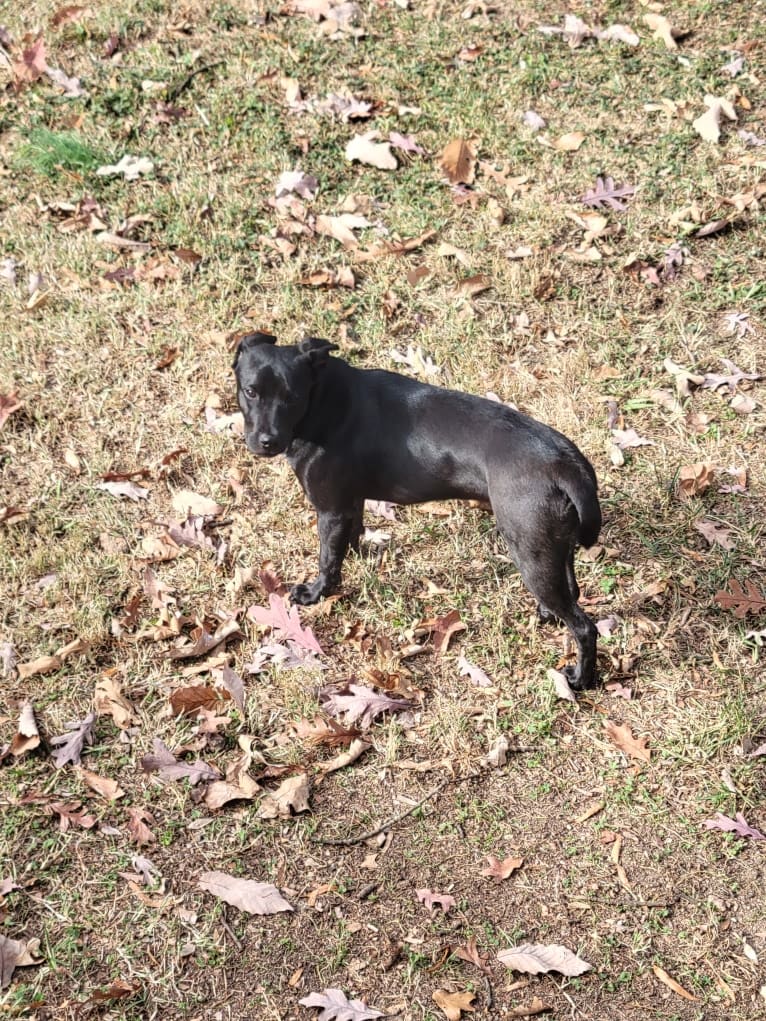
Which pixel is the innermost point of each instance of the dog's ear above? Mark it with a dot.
(316, 350)
(252, 340)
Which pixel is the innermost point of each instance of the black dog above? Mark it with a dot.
(354, 434)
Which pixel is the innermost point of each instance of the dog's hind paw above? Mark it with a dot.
(576, 681)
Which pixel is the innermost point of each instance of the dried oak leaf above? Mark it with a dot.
(736, 825)
(8, 404)
(187, 502)
(453, 1004)
(430, 898)
(290, 798)
(470, 953)
(741, 601)
(33, 62)
(534, 958)
(500, 870)
(607, 193)
(622, 736)
(708, 125)
(715, 534)
(245, 894)
(536, 1006)
(203, 641)
(187, 701)
(671, 983)
(164, 762)
(71, 745)
(107, 788)
(359, 703)
(327, 732)
(335, 1006)
(14, 954)
(458, 161)
(286, 624)
(694, 479)
(365, 149)
(139, 820)
(109, 700)
(355, 750)
(444, 628)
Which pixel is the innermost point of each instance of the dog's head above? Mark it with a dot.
(274, 387)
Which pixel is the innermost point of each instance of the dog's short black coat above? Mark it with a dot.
(354, 434)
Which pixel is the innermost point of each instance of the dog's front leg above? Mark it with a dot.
(336, 533)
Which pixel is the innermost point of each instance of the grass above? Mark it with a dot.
(557, 335)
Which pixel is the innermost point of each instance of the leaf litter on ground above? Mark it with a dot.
(334, 1005)
(537, 958)
(359, 704)
(245, 894)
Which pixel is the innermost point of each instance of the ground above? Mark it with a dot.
(122, 301)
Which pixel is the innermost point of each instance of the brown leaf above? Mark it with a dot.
(43, 665)
(445, 627)
(290, 798)
(33, 62)
(671, 983)
(534, 958)
(108, 789)
(470, 953)
(72, 814)
(8, 404)
(529, 1010)
(431, 898)
(327, 732)
(694, 479)
(458, 161)
(354, 751)
(139, 831)
(203, 641)
(27, 737)
(342, 227)
(245, 894)
(187, 701)
(661, 29)
(68, 14)
(118, 990)
(715, 534)
(108, 700)
(16, 953)
(622, 737)
(453, 1004)
(570, 142)
(474, 284)
(187, 502)
(500, 870)
(741, 601)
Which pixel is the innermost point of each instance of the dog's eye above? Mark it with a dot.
(250, 392)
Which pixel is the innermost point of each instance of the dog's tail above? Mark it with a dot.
(580, 485)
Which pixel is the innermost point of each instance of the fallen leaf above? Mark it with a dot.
(708, 125)
(327, 732)
(626, 438)
(736, 825)
(569, 142)
(671, 983)
(290, 798)
(534, 958)
(109, 700)
(188, 503)
(458, 161)
(71, 87)
(118, 990)
(607, 193)
(364, 149)
(476, 674)
(102, 785)
(69, 14)
(731, 378)
(131, 490)
(187, 701)
(694, 479)
(430, 898)
(715, 534)
(33, 62)
(284, 623)
(474, 284)
(534, 120)
(163, 762)
(8, 404)
(561, 684)
(661, 29)
(27, 736)
(530, 1010)
(305, 185)
(500, 870)
(622, 737)
(131, 167)
(139, 831)
(443, 630)
(406, 143)
(342, 227)
(354, 751)
(233, 683)
(204, 642)
(453, 1004)
(337, 1007)
(245, 894)
(14, 954)
(71, 745)
(470, 952)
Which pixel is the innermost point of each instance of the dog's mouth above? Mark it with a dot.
(263, 451)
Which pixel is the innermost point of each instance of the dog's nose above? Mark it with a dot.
(267, 443)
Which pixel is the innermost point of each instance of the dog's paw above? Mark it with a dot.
(576, 682)
(305, 595)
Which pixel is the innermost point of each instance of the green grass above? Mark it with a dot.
(48, 153)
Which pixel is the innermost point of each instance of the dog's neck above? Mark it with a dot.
(328, 404)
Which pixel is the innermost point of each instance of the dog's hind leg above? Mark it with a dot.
(543, 551)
